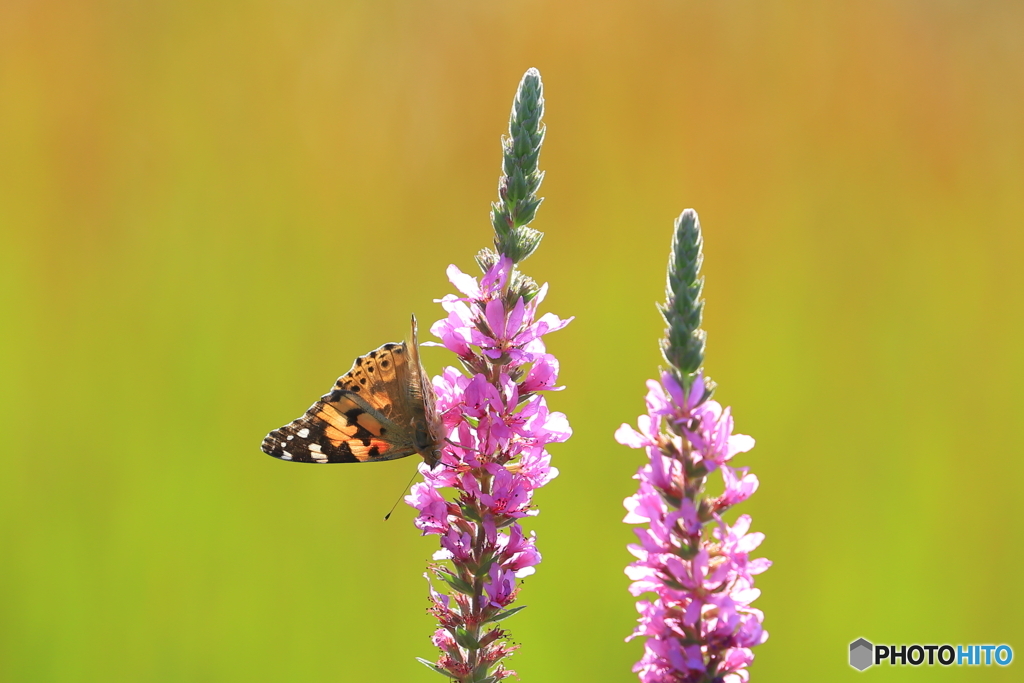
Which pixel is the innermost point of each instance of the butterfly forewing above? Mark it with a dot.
(346, 430)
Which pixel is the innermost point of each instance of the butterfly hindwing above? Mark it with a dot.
(427, 424)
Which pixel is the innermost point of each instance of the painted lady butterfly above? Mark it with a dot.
(381, 409)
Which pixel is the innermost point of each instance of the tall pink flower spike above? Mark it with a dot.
(499, 428)
(497, 422)
(699, 626)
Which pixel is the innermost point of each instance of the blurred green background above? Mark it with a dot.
(208, 209)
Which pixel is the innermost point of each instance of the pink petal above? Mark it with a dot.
(515, 319)
(464, 283)
(495, 314)
(627, 436)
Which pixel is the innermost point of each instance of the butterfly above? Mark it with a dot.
(381, 409)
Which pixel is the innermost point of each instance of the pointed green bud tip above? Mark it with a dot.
(521, 178)
(528, 107)
(684, 342)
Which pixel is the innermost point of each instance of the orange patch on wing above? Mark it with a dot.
(363, 453)
(331, 416)
(369, 423)
(381, 446)
(335, 435)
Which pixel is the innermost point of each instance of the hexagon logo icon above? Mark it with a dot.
(861, 654)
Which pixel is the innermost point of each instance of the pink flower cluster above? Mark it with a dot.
(498, 428)
(700, 625)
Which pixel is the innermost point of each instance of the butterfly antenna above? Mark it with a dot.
(388, 516)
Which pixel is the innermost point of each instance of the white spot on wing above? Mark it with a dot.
(314, 450)
(285, 455)
(303, 433)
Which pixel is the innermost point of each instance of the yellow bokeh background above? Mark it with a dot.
(207, 209)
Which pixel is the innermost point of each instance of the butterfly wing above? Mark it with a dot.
(427, 427)
(381, 409)
(365, 417)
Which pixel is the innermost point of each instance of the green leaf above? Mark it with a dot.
(469, 512)
(435, 667)
(485, 565)
(508, 521)
(466, 639)
(480, 673)
(457, 583)
(506, 614)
